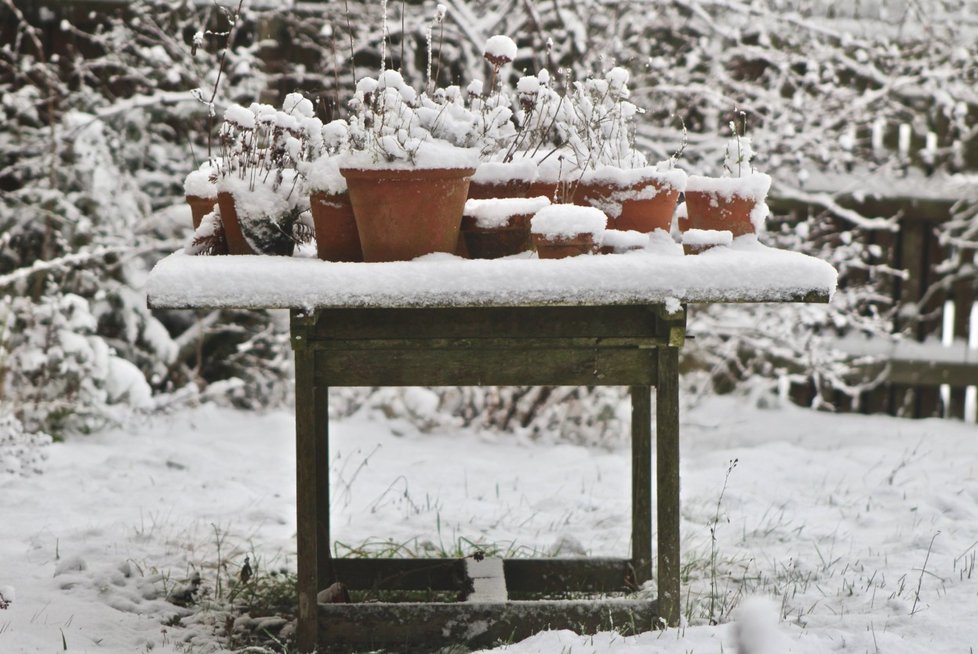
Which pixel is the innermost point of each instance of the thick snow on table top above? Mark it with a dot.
(747, 271)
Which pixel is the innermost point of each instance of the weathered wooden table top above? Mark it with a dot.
(747, 271)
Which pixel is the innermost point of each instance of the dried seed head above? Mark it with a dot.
(499, 50)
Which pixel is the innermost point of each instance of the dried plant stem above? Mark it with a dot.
(220, 72)
(441, 37)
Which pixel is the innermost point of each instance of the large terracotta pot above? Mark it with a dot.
(200, 207)
(406, 213)
(232, 228)
(337, 238)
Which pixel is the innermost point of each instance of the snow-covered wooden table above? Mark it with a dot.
(440, 320)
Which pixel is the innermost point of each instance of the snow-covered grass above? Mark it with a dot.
(860, 531)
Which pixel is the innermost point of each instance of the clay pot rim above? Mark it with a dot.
(407, 173)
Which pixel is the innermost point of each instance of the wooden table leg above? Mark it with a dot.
(312, 497)
(667, 483)
(641, 483)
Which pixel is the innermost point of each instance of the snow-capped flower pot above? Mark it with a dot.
(262, 198)
(700, 240)
(567, 230)
(735, 204)
(638, 199)
(499, 227)
(237, 244)
(201, 192)
(200, 207)
(497, 179)
(260, 217)
(404, 213)
(615, 241)
(337, 238)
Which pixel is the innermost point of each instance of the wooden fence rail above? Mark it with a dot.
(933, 372)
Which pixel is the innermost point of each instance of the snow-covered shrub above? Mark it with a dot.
(21, 452)
(97, 132)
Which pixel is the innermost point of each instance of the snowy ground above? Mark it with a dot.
(862, 530)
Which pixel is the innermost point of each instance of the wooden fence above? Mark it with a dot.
(933, 370)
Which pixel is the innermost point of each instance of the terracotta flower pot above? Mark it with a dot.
(706, 210)
(265, 230)
(617, 241)
(499, 227)
(497, 242)
(200, 207)
(725, 204)
(232, 228)
(696, 241)
(337, 238)
(406, 213)
(642, 207)
(551, 247)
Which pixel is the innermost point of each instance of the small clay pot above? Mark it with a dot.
(278, 243)
(482, 243)
(690, 250)
(337, 238)
(725, 203)
(551, 247)
(200, 207)
(232, 228)
(712, 211)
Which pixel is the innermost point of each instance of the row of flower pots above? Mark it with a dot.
(400, 214)
(389, 182)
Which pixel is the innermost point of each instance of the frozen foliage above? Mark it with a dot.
(92, 172)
